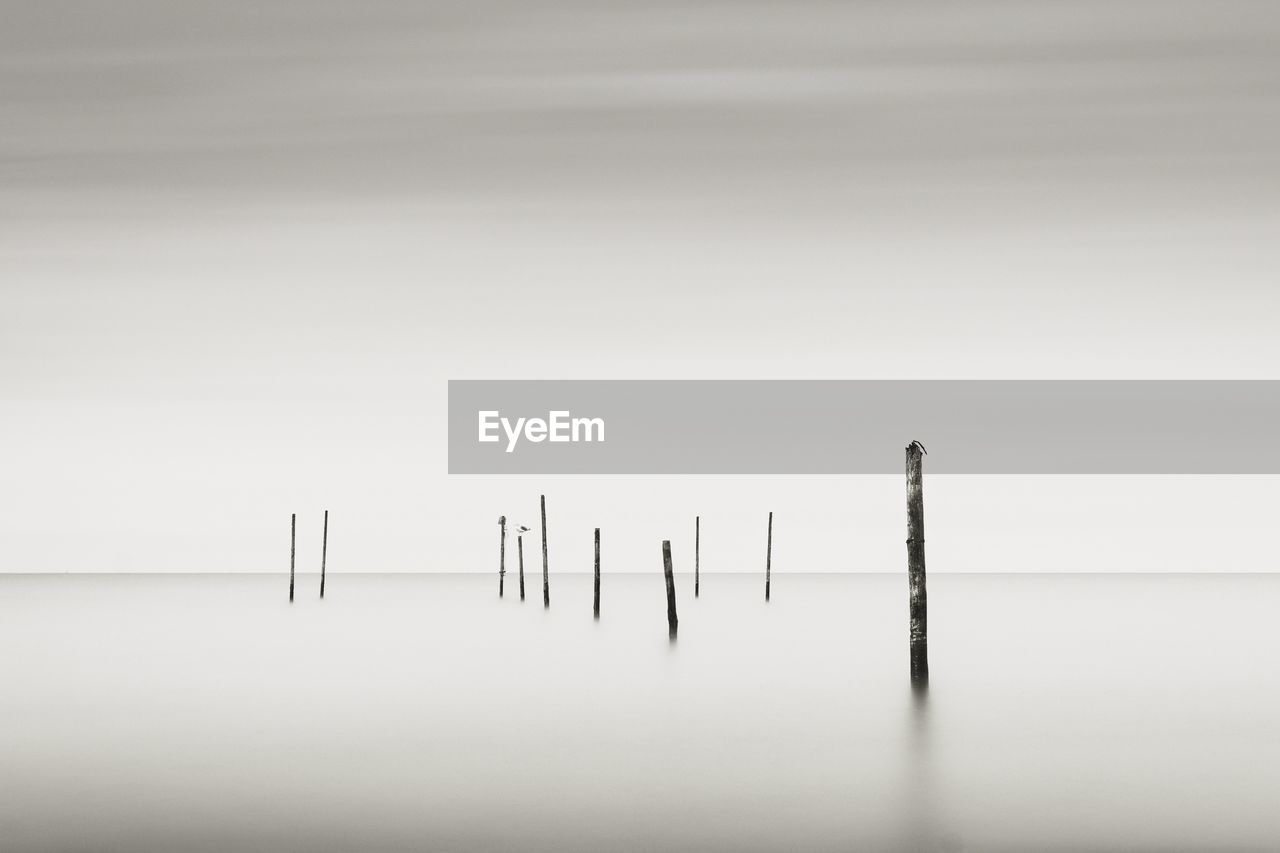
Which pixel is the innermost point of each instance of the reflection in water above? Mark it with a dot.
(920, 831)
(923, 818)
(786, 727)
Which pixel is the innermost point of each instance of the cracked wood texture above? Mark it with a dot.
(915, 564)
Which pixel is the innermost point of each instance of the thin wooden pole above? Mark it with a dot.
(546, 579)
(293, 549)
(596, 607)
(915, 564)
(768, 560)
(520, 548)
(673, 623)
(697, 554)
(324, 551)
(502, 552)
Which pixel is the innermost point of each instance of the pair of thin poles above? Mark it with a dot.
(546, 579)
(293, 550)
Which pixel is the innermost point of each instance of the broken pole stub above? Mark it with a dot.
(673, 623)
(596, 606)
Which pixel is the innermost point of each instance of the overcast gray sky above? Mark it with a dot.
(243, 245)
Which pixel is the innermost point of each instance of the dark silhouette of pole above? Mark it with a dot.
(673, 623)
(596, 607)
(502, 552)
(546, 580)
(324, 551)
(293, 549)
(520, 548)
(915, 564)
(697, 552)
(768, 560)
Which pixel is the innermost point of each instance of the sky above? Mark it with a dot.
(243, 246)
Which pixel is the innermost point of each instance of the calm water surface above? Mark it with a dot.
(204, 713)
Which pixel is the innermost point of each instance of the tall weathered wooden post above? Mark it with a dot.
(596, 607)
(673, 623)
(293, 549)
(502, 552)
(915, 564)
(697, 553)
(768, 559)
(546, 581)
(324, 551)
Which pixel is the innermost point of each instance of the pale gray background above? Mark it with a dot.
(244, 245)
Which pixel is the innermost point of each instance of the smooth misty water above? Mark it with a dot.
(205, 713)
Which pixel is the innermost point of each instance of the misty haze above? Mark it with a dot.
(246, 246)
